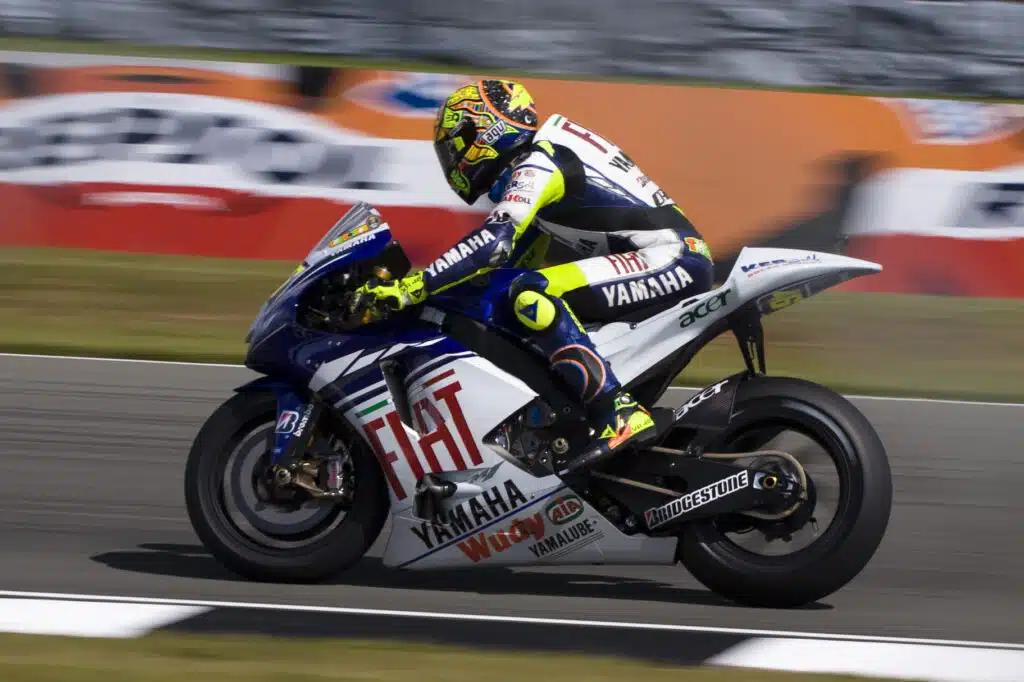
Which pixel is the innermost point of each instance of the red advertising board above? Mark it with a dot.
(255, 161)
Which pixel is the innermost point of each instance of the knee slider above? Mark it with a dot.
(534, 310)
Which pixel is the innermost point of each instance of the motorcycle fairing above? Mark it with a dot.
(453, 398)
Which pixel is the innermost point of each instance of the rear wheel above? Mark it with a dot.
(298, 540)
(719, 552)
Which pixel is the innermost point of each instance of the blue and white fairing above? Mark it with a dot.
(344, 369)
(338, 249)
(502, 514)
(290, 354)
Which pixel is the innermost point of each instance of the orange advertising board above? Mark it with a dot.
(257, 160)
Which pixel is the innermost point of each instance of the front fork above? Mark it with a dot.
(290, 467)
(295, 429)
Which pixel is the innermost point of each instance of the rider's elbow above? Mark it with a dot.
(500, 254)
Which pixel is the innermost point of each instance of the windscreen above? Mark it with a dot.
(354, 227)
(360, 219)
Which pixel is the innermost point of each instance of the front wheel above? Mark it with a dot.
(301, 540)
(718, 552)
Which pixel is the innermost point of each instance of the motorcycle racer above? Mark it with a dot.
(556, 180)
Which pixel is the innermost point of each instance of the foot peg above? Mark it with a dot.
(593, 459)
(430, 490)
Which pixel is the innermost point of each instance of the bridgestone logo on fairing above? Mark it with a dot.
(659, 516)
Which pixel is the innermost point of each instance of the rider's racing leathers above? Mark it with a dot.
(640, 254)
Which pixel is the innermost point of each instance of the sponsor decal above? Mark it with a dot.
(777, 300)
(661, 199)
(175, 199)
(494, 133)
(287, 421)
(568, 540)
(643, 180)
(352, 243)
(628, 263)
(954, 122)
(523, 173)
(300, 429)
(752, 269)
(484, 545)
(622, 161)
(362, 229)
(182, 139)
(564, 509)
(992, 205)
(464, 249)
(452, 432)
(516, 198)
(521, 185)
(648, 288)
(659, 516)
(467, 516)
(698, 246)
(408, 95)
(487, 474)
(701, 310)
(585, 135)
(700, 398)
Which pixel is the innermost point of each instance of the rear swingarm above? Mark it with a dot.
(666, 487)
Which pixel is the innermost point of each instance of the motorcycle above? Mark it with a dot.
(437, 418)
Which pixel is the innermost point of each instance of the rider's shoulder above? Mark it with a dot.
(558, 129)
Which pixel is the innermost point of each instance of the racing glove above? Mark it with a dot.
(393, 295)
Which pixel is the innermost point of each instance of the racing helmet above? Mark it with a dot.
(479, 130)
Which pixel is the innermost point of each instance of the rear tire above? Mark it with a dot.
(849, 543)
(307, 557)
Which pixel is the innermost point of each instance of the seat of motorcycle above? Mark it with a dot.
(592, 323)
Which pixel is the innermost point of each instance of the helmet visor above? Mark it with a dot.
(451, 148)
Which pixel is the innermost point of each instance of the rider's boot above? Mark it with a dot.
(617, 421)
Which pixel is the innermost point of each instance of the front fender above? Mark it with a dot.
(293, 410)
(265, 383)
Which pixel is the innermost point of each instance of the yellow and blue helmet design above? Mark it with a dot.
(478, 130)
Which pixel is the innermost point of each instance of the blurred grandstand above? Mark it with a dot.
(970, 47)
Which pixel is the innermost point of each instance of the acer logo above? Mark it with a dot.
(701, 310)
(696, 400)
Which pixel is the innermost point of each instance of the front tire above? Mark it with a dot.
(262, 541)
(851, 540)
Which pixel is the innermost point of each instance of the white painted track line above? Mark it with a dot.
(665, 627)
(89, 618)
(877, 659)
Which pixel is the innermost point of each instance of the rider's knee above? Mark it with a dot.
(535, 310)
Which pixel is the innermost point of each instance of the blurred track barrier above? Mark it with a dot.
(253, 161)
(961, 47)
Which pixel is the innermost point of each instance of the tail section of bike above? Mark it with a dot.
(762, 282)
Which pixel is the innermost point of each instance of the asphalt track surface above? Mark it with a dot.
(91, 502)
